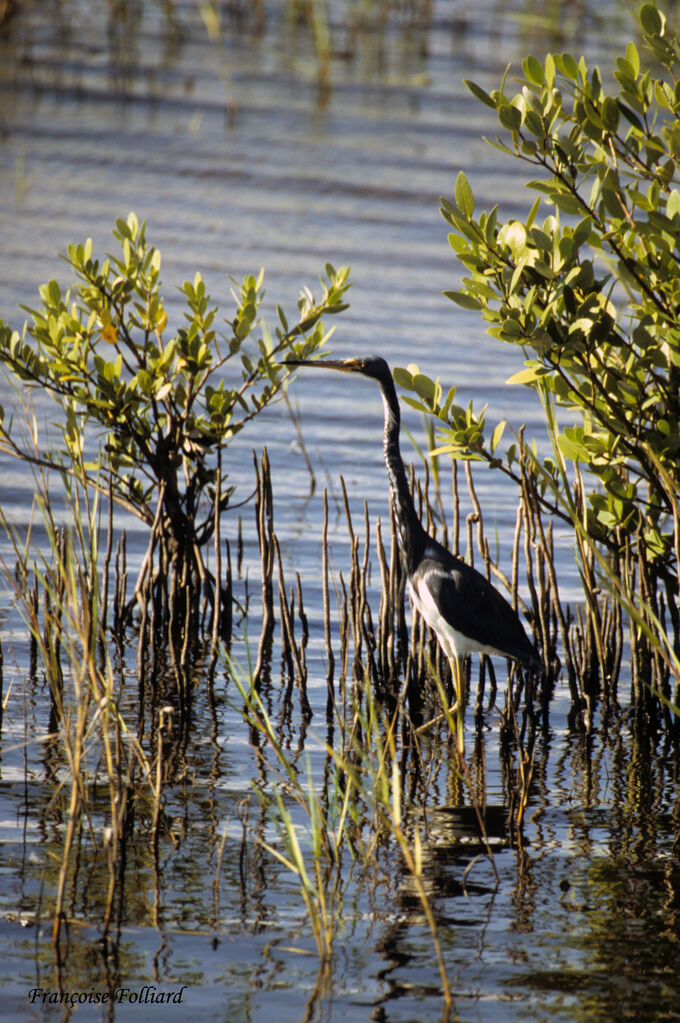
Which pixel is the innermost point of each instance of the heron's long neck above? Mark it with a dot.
(411, 532)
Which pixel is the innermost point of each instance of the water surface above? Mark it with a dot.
(227, 152)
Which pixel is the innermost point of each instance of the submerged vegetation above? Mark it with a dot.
(377, 793)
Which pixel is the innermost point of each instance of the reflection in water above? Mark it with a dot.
(586, 907)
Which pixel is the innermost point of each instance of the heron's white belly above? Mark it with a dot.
(453, 643)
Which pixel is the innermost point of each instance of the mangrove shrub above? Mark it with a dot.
(590, 294)
(158, 407)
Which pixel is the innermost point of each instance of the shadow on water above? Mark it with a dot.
(573, 915)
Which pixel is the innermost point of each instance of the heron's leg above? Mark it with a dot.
(459, 705)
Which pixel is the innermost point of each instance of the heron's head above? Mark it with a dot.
(368, 365)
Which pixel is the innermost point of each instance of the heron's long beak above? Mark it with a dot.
(344, 365)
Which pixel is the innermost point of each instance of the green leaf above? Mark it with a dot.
(464, 300)
(532, 212)
(514, 235)
(533, 70)
(54, 293)
(567, 203)
(626, 72)
(510, 117)
(613, 203)
(416, 404)
(427, 389)
(673, 204)
(496, 435)
(526, 376)
(567, 65)
(633, 58)
(652, 20)
(572, 449)
(664, 95)
(550, 70)
(402, 377)
(631, 116)
(122, 228)
(479, 93)
(610, 113)
(463, 196)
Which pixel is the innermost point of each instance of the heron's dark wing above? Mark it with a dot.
(473, 607)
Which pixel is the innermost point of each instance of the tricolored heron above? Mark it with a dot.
(467, 613)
